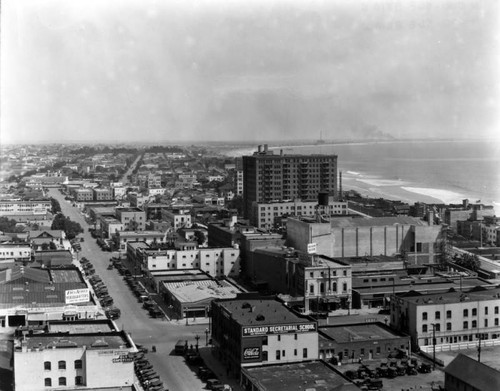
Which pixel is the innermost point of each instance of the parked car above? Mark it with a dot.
(141, 348)
(211, 383)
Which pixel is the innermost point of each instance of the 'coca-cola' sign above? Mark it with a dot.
(251, 353)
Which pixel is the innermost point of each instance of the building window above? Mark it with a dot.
(448, 326)
(496, 321)
(344, 287)
(448, 314)
(486, 310)
(466, 313)
(283, 353)
(474, 323)
(437, 327)
(78, 364)
(378, 349)
(279, 337)
(264, 355)
(424, 315)
(47, 366)
(48, 382)
(424, 328)
(278, 354)
(438, 315)
(474, 311)
(496, 310)
(295, 336)
(79, 380)
(311, 289)
(264, 340)
(304, 353)
(62, 365)
(466, 325)
(294, 352)
(486, 323)
(62, 381)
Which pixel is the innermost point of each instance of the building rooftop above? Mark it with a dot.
(82, 327)
(195, 291)
(310, 375)
(66, 275)
(478, 375)
(260, 312)
(124, 234)
(37, 294)
(347, 222)
(357, 332)
(476, 294)
(90, 341)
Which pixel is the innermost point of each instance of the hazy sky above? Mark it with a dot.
(145, 70)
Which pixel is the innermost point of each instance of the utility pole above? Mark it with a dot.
(479, 350)
(433, 346)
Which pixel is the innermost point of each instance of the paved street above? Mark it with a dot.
(175, 374)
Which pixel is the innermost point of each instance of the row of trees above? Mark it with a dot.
(468, 261)
(70, 228)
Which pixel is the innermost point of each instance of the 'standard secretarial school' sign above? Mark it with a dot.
(278, 329)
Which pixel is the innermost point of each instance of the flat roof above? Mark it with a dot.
(347, 222)
(66, 275)
(245, 312)
(112, 340)
(357, 332)
(456, 296)
(196, 291)
(37, 294)
(85, 327)
(310, 375)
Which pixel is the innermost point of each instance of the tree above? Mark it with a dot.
(56, 207)
(70, 228)
(200, 237)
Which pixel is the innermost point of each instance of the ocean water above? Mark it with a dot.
(428, 171)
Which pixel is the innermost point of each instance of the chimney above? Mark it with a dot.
(430, 217)
(265, 148)
(465, 203)
(259, 148)
(281, 152)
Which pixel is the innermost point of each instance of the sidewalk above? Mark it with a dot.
(212, 362)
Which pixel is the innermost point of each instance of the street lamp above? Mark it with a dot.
(206, 337)
(197, 339)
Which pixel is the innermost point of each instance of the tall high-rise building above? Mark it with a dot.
(268, 177)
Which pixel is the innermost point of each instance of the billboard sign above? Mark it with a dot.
(251, 353)
(250, 331)
(74, 296)
(311, 248)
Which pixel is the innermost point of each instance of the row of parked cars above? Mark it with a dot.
(100, 289)
(146, 374)
(139, 291)
(193, 358)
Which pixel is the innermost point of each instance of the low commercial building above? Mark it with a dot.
(217, 262)
(133, 219)
(309, 375)
(192, 298)
(15, 252)
(321, 283)
(360, 341)
(467, 374)
(103, 194)
(31, 296)
(110, 226)
(17, 207)
(121, 238)
(71, 359)
(453, 320)
(249, 331)
(177, 218)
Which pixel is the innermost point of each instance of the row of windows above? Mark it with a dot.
(437, 314)
(281, 353)
(473, 323)
(62, 381)
(62, 365)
